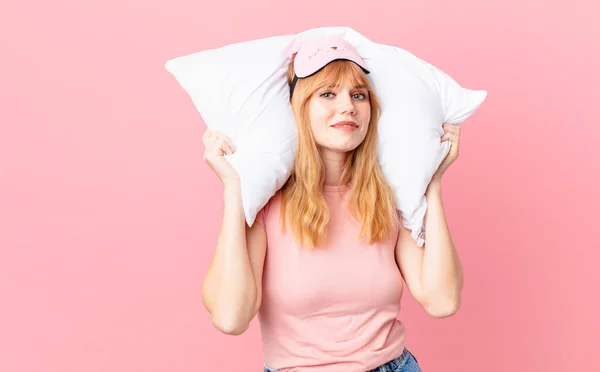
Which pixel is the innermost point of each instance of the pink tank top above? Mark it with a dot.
(333, 308)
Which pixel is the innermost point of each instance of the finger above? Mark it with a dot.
(211, 136)
(221, 147)
(214, 138)
(206, 137)
(214, 147)
(451, 125)
(451, 137)
(230, 145)
(226, 143)
(226, 147)
(218, 134)
(452, 128)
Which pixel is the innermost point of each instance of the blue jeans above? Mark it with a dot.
(406, 362)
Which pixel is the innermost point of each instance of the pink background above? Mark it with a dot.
(108, 215)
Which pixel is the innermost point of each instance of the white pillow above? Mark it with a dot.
(241, 90)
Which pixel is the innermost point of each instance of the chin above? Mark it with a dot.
(340, 144)
(346, 147)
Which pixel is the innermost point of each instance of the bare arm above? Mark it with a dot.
(433, 273)
(232, 287)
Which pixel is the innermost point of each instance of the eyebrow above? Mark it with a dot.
(360, 86)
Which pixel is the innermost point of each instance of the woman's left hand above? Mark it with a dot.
(452, 134)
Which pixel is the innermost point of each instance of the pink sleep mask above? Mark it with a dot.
(313, 55)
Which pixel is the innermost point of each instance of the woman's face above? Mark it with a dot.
(339, 117)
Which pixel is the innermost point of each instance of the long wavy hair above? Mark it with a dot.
(371, 200)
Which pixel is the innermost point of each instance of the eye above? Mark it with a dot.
(360, 95)
(326, 93)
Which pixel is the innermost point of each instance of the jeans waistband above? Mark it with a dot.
(390, 366)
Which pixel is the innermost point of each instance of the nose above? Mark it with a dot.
(346, 106)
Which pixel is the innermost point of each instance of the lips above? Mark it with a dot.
(345, 124)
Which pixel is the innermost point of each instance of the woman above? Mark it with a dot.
(323, 266)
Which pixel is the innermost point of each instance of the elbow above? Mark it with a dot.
(231, 314)
(443, 304)
(442, 308)
(443, 311)
(234, 323)
(230, 325)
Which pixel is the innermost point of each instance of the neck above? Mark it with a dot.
(333, 162)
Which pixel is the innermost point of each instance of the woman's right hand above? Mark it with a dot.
(216, 146)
